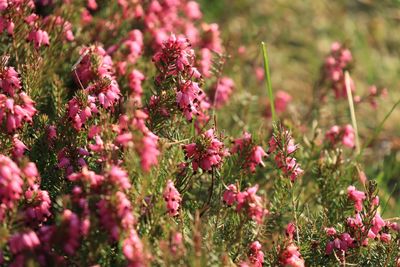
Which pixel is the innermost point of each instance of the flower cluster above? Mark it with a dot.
(208, 152)
(222, 91)
(247, 200)
(344, 134)
(16, 107)
(175, 62)
(335, 65)
(255, 256)
(172, 198)
(290, 256)
(282, 144)
(250, 154)
(365, 225)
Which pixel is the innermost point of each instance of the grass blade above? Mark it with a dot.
(268, 82)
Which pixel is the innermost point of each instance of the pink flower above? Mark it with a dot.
(119, 177)
(250, 154)
(345, 134)
(291, 257)
(230, 194)
(149, 151)
(335, 65)
(222, 91)
(39, 38)
(256, 256)
(248, 201)
(330, 231)
(133, 249)
(23, 241)
(282, 99)
(357, 197)
(71, 224)
(385, 237)
(172, 198)
(11, 182)
(207, 153)
(192, 10)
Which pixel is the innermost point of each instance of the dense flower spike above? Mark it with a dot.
(175, 61)
(335, 65)
(16, 107)
(11, 182)
(344, 134)
(172, 198)
(207, 152)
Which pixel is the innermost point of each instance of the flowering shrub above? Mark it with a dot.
(117, 148)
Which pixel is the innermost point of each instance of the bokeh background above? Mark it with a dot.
(299, 35)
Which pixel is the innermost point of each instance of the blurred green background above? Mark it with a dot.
(299, 35)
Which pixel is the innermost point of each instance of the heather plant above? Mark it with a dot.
(127, 139)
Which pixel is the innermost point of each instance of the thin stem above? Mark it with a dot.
(352, 111)
(268, 83)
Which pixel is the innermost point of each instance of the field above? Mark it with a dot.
(199, 133)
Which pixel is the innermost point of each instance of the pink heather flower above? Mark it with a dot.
(172, 198)
(251, 154)
(135, 79)
(149, 151)
(91, 4)
(256, 256)
(355, 222)
(39, 209)
(10, 181)
(348, 136)
(344, 134)
(249, 201)
(133, 249)
(342, 243)
(259, 71)
(377, 224)
(88, 177)
(290, 230)
(176, 245)
(19, 148)
(335, 65)
(222, 91)
(192, 10)
(176, 58)
(283, 145)
(9, 81)
(39, 38)
(71, 224)
(206, 62)
(119, 177)
(384, 237)
(357, 197)
(291, 257)
(207, 153)
(330, 231)
(230, 194)
(282, 99)
(23, 241)
(211, 37)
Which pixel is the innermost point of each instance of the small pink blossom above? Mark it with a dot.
(172, 199)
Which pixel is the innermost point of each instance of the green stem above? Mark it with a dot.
(268, 77)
